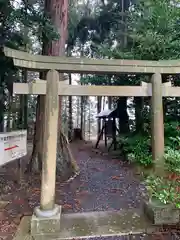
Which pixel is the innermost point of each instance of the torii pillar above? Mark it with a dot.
(157, 123)
(46, 217)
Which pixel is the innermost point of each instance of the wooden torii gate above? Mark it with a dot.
(52, 88)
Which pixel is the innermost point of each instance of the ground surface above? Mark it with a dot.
(105, 184)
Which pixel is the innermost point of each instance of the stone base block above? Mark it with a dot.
(45, 225)
(161, 214)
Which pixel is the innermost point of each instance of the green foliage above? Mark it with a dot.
(154, 29)
(138, 149)
(172, 134)
(22, 23)
(163, 189)
(166, 188)
(16, 18)
(95, 80)
(172, 160)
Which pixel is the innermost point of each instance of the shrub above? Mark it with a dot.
(163, 190)
(137, 149)
(172, 133)
(172, 160)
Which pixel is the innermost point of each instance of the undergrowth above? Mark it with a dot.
(137, 147)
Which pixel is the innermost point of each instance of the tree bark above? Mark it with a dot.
(99, 100)
(138, 101)
(78, 112)
(35, 162)
(123, 115)
(20, 117)
(8, 127)
(25, 107)
(109, 102)
(1, 104)
(57, 10)
(82, 125)
(70, 118)
(70, 127)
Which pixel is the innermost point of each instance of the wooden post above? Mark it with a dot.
(47, 217)
(157, 133)
(50, 142)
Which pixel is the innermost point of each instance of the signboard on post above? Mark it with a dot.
(13, 145)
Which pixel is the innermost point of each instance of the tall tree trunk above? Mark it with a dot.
(25, 73)
(21, 107)
(70, 120)
(78, 113)
(1, 115)
(82, 126)
(89, 103)
(57, 10)
(20, 117)
(8, 127)
(25, 100)
(1, 103)
(82, 116)
(138, 101)
(35, 161)
(104, 102)
(123, 115)
(109, 102)
(99, 103)
(70, 127)
(122, 101)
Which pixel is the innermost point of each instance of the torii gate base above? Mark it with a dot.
(93, 224)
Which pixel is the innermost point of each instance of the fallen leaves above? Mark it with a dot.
(36, 190)
(97, 169)
(77, 206)
(115, 178)
(83, 193)
(7, 227)
(115, 190)
(67, 206)
(77, 201)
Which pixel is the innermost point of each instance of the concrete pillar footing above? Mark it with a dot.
(46, 222)
(46, 213)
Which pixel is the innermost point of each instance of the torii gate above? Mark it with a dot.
(52, 88)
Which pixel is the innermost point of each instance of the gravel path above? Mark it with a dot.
(104, 184)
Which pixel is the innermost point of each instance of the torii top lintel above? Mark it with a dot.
(85, 65)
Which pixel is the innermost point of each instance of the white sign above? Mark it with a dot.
(13, 145)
